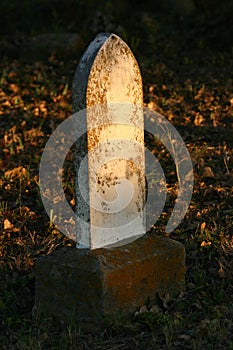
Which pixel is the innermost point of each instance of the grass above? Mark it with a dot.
(192, 87)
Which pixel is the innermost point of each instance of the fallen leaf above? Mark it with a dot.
(203, 225)
(205, 244)
(14, 88)
(18, 172)
(208, 173)
(7, 224)
(155, 309)
(143, 309)
(221, 273)
(198, 119)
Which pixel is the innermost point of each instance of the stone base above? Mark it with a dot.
(81, 285)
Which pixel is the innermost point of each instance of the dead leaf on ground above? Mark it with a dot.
(208, 172)
(7, 225)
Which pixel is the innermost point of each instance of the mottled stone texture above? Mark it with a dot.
(74, 284)
(108, 85)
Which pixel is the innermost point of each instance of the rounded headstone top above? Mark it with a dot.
(108, 64)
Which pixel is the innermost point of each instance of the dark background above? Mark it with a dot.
(209, 21)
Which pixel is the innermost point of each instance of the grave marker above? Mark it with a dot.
(86, 284)
(108, 85)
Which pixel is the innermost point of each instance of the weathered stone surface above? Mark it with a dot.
(89, 284)
(108, 85)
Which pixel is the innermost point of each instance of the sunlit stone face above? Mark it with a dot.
(110, 191)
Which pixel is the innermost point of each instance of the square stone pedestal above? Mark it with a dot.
(81, 285)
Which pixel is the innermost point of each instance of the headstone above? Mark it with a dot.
(87, 284)
(108, 85)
